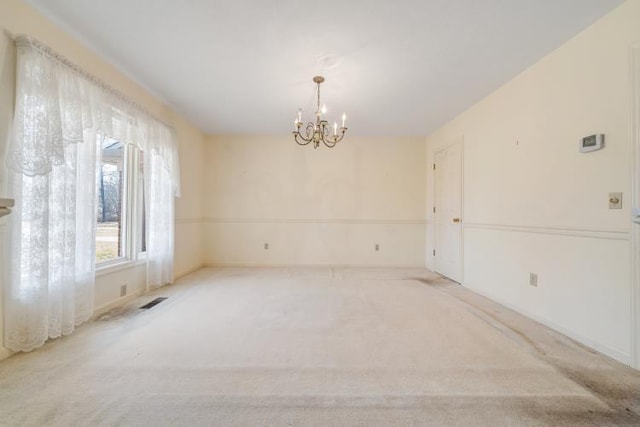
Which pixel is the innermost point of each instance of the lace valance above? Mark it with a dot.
(57, 102)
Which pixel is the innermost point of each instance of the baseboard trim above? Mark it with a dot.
(611, 352)
(593, 233)
(99, 311)
(104, 308)
(187, 272)
(5, 353)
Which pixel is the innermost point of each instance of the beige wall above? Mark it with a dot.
(533, 203)
(314, 207)
(19, 18)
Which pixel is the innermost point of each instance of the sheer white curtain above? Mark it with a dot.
(52, 160)
(160, 188)
(52, 164)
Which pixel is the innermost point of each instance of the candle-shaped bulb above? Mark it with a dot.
(324, 109)
(335, 128)
(344, 119)
(299, 114)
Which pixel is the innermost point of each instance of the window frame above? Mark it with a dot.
(131, 214)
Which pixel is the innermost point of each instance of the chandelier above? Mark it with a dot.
(319, 131)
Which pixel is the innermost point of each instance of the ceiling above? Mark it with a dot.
(396, 67)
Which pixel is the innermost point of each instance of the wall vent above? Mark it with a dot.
(153, 303)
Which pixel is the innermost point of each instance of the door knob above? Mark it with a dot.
(456, 219)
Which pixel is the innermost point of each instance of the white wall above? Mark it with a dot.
(19, 18)
(314, 207)
(533, 203)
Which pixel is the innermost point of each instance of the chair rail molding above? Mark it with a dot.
(588, 232)
(316, 221)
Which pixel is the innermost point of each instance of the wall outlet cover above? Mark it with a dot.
(615, 200)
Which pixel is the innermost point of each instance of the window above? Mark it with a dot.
(52, 264)
(141, 243)
(120, 206)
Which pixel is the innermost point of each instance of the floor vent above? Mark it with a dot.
(153, 303)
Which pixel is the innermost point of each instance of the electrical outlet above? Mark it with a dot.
(266, 246)
(615, 200)
(533, 279)
(377, 247)
(123, 290)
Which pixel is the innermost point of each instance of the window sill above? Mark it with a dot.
(115, 266)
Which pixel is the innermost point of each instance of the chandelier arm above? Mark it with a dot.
(310, 130)
(329, 144)
(331, 140)
(326, 136)
(299, 139)
(336, 139)
(309, 134)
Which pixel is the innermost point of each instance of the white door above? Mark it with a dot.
(448, 212)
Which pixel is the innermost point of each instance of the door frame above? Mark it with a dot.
(455, 141)
(634, 56)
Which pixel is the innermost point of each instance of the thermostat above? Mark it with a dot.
(591, 143)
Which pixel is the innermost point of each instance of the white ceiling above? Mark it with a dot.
(397, 67)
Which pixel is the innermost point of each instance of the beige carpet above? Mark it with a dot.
(316, 347)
